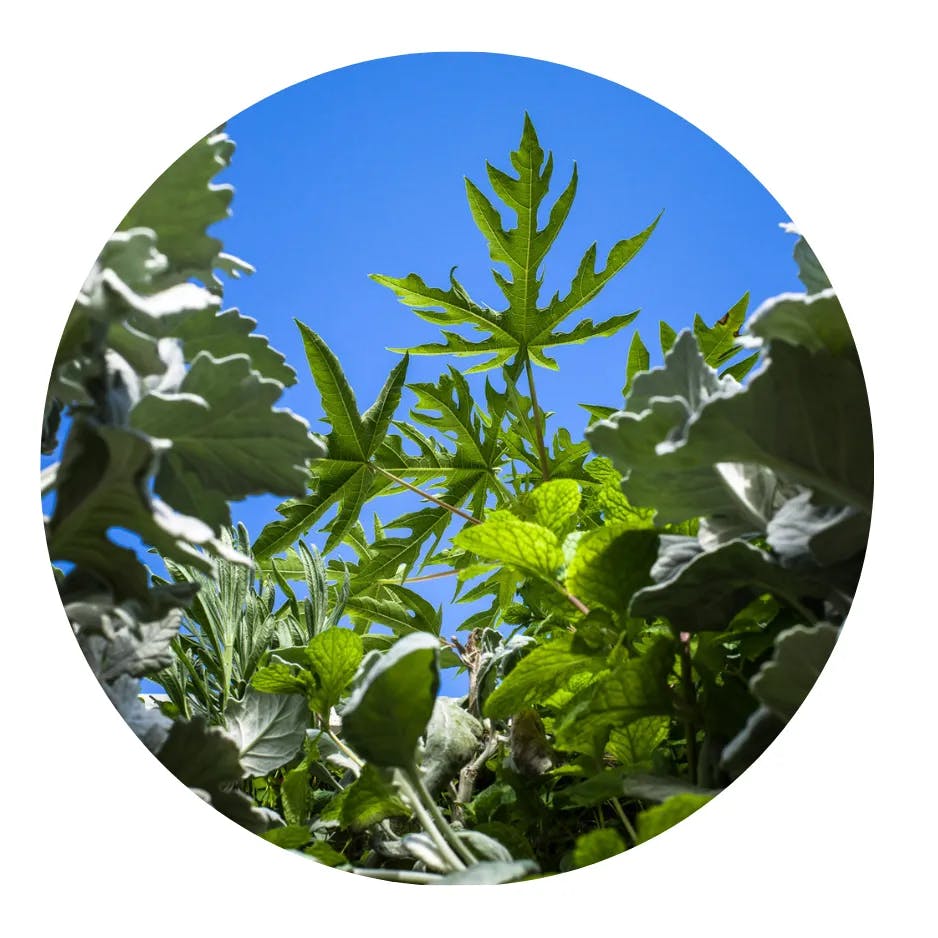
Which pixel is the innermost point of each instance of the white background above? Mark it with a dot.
(831, 107)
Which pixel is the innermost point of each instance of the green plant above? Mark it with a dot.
(661, 595)
(157, 391)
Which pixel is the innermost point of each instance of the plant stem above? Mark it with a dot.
(426, 495)
(687, 683)
(397, 876)
(411, 783)
(418, 579)
(538, 421)
(626, 823)
(574, 601)
(415, 778)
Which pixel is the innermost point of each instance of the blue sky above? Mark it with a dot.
(361, 171)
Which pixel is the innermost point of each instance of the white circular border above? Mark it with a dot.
(830, 113)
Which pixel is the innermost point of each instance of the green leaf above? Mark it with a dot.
(595, 846)
(291, 837)
(547, 669)
(294, 794)
(206, 759)
(267, 728)
(452, 738)
(638, 360)
(713, 586)
(182, 204)
(369, 799)
(335, 656)
(281, 678)
(675, 809)
(321, 852)
(344, 475)
(220, 334)
(611, 563)
(718, 343)
(391, 702)
(228, 441)
(804, 416)
(801, 652)
(552, 505)
(102, 483)
(531, 549)
(633, 689)
(524, 329)
(816, 323)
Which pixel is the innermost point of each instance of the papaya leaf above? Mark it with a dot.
(344, 475)
(524, 330)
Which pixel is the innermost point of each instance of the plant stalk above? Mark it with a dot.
(690, 701)
(410, 782)
(416, 780)
(538, 421)
(430, 498)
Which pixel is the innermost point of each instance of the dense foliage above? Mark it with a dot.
(657, 598)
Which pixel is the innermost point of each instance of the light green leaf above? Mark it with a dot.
(102, 483)
(268, 729)
(595, 846)
(638, 360)
(547, 669)
(369, 799)
(182, 204)
(335, 655)
(227, 439)
(291, 837)
(391, 702)
(529, 548)
(552, 505)
(611, 563)
(675, 809)
(452, 738)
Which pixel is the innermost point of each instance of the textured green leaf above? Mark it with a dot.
(552, 505)
(529, 548)
(801, 652)
(804, 415)
(658, 819)
(206, 759)
(294, 794)
(524, 329)
(369, 799)
(183, 203)
(611, 564)
(102, 483)
(220, 334)
(451, 740)
(816, 323)
(268, 730)
(595, 846)
(713, 586)
(633, 689)
(227, 439)
(391, 702)
(321, 852)
(547, 669)
(335, 655)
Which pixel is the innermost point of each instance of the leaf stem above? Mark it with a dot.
(538, 421)
(397, 581)
(416, 779)
(411, 784)
(430, 498)
(623, 817)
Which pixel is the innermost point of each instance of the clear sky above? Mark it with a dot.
(361, 171)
